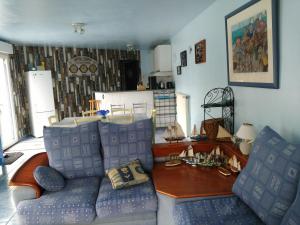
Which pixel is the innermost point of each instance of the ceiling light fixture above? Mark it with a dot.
(130, 47)
(79, 28)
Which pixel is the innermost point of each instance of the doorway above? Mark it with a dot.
(8, 129)
(130, 74)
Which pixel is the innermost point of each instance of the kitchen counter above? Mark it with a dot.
(127, 98)
(122, 91)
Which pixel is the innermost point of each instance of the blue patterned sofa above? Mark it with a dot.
(81, 154)
(267, 191)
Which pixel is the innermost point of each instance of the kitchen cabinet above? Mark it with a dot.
(163, 58)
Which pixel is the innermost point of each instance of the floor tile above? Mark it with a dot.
(14, 220)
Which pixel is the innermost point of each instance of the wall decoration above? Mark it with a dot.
(87, 66)
(71, 93)
(183, 58)
(252, 45)
(178, 70)
(200, 52)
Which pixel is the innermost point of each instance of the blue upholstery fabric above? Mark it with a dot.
(75, 204)
(136, 199)
(216, 211)
(123, 143)
(74, 152)
(268, 183)
(292, 217)
(48, 178)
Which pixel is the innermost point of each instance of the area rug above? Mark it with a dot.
(12, 157)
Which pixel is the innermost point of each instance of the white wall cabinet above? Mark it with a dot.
(163, 58)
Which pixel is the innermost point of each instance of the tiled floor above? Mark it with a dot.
(29, 147)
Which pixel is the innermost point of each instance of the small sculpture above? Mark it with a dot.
(234, 164)
(174, 133)
(190, 151)
(182, 154)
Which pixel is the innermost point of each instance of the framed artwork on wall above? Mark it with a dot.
(252, 45)
(178, 70)
(183, 58)
(200, 52)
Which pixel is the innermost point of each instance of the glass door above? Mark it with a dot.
(7, 113)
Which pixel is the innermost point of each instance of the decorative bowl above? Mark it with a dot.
(102, 113)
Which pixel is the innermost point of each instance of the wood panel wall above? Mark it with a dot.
(71, 94)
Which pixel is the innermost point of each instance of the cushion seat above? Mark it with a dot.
(135, 199)
(215, 211)
(74, 204)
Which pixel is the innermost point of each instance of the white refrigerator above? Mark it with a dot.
(41, 100)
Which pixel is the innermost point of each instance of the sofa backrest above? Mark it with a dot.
(122, 143)
(74, 151)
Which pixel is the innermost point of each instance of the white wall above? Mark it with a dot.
(276, 108)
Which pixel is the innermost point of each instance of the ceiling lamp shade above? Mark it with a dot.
(246, 132)
(79, 28)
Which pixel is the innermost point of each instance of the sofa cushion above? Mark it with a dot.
(215, 211)
(136, 199)
(48, 178)
(268, 183)
(123, 143)
(292, 217)
(127, 175)
(75, 204)
(74, 152)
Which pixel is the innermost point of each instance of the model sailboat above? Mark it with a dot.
(174, 133)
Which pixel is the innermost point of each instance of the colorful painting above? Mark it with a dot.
(252, 46)
(178, 70)
(200, 52)
(183, 58)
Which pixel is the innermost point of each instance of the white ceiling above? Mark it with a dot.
(110, 23)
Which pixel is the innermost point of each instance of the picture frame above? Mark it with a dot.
(200, 52)
(178, 70)
(183, 58)
(252, 45)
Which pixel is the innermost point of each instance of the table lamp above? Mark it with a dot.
(247, 134)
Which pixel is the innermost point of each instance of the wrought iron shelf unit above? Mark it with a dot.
(165, 105)
(222, 98)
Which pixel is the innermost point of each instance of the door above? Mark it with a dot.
(130, 74)
(7, 115)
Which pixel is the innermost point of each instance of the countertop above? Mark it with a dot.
(135, 90)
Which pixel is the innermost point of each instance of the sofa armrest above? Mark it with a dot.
(21, 193)
(24, 175)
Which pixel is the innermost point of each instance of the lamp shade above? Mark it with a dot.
(246, 132)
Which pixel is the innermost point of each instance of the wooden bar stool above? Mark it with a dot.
(94, 106)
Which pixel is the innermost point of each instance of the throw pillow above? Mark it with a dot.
(48, 178)
(74, 152)
(127, 175)
(123, 143)
(268, 183)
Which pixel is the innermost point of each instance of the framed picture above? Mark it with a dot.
(252, 45)
(178, 70)
(200, 52)
(183, 58)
